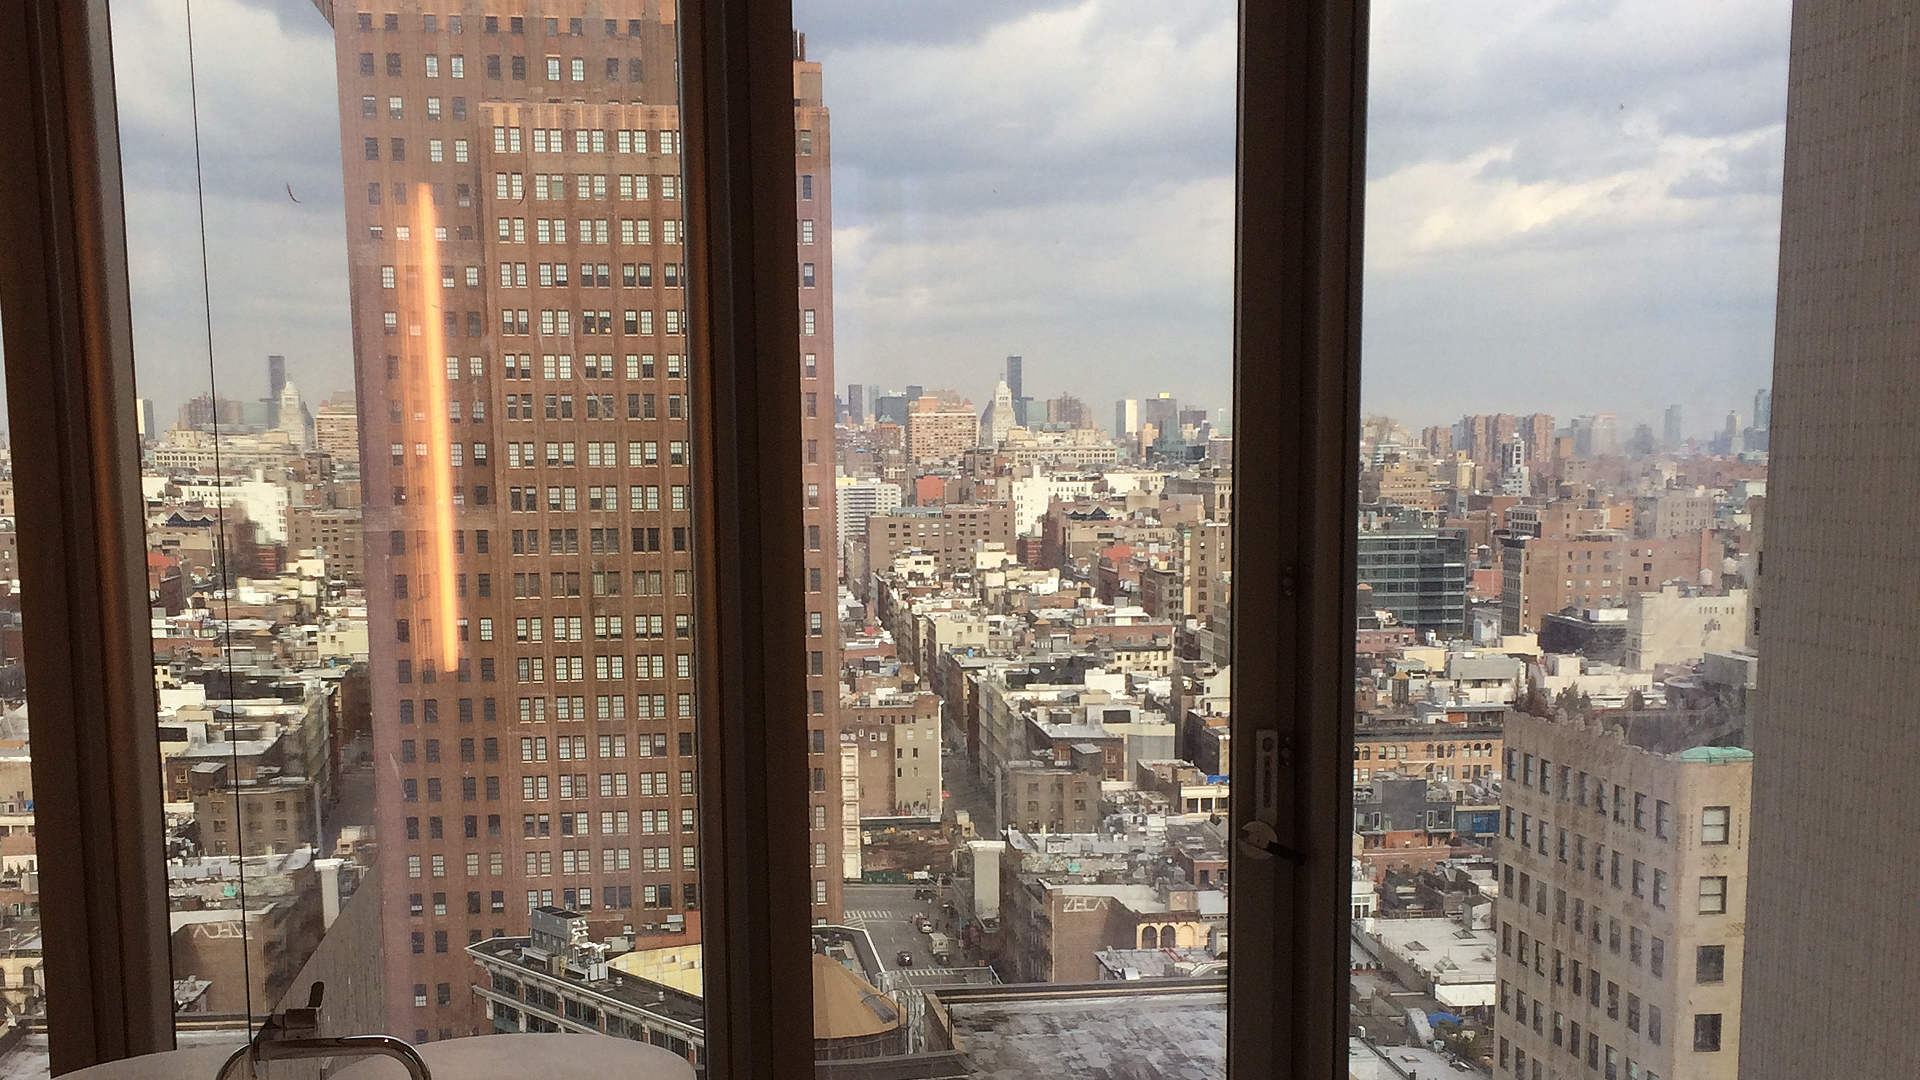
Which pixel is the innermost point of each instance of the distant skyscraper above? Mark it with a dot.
(1642, 445)
(1513, 468)
(1762, 409)
(1162, 412)
(998, 419)
(293, 417)
(1126, 417)
(1016, 384)
(856, 404)
(1674, 426)
(889, 408)
(144, 417)
(276, 382)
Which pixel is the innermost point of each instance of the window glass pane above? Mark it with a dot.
(420, 528)
(1569, 296)
(1024, 518)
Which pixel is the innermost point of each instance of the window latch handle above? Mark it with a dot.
(1259, 840)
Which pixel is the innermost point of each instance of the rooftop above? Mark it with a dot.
(1126, 1031)
(619, 987)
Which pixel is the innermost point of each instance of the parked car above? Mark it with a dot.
(905, 959)
(923, 924)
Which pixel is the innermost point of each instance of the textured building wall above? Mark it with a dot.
(1834, 967)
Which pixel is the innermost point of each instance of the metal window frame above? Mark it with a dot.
(82, 555)
(1300, 181)
(1296, 323)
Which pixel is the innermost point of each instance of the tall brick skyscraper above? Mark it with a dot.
(515, 239)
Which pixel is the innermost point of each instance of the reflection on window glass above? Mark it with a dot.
(1017, 312)
(422, 580)
(419, 505)
(1571, 241)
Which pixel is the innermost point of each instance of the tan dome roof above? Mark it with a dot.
(846, 1006)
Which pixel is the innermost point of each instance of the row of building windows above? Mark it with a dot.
(558, 69)
(397, 151)
(602, 582)
(552, 187)
(612, 860)
(589, 407)
(1575, 787)
(569, 786)
(532, 669)
(605, 627)
(536, 710)
(512, 140)
(456, 107)
(560, 323)
(431, 24)
(592, 276)
(611, 785)
(1571, 848)
(1403, 751)
(574, 747)
(606, 499)
(592, 366)
(632, 231)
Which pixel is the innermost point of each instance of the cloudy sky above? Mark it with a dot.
(1571, 206)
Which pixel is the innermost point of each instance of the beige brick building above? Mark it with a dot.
(940, 430)
(1622, 907)
(952, 534)
(897, 735)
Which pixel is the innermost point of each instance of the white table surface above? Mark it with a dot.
(545, 1056)
(482, 1057)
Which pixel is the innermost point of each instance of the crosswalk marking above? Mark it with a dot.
(865, 913)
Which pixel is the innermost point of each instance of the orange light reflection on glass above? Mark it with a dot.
(439, 441)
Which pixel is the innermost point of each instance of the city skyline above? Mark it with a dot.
(1692, 260)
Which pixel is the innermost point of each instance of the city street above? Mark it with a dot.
(966, 793)
(887, 912)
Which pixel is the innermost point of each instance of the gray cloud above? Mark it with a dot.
(1572, 206)
(268, 123)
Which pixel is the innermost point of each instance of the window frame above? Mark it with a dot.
(1296, 326)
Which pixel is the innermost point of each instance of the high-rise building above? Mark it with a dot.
(939, 429)
(276, 375)
(336, 430)
(1069, 412)
(1536, 430)
(1016, 386)
(1126, 417)
(998, 419)
(858, 499)
(1762, 408)
(834, 813)
(1673, 428)
(1163, 412)
(889, 408)
(1419, 576)
(856, 404)
(1622, 899)
(516, 263)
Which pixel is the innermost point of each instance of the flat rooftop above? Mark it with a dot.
(1122, 1034)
